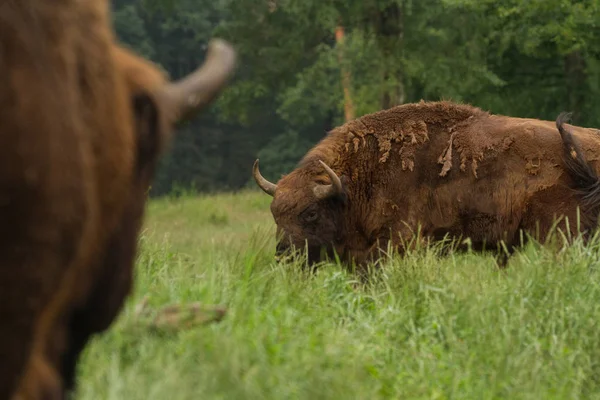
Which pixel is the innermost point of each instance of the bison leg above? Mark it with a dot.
(108, 295)
(33, 286)
(546, 207)
(15, 348)
(40, 382)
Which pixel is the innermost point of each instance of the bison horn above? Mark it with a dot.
(268, 187)
(192, 93)
(326, 191)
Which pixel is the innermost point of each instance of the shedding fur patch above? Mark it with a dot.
(472, 146)
(399, 133)
(409, 134)
(446, 157)
(533, 168)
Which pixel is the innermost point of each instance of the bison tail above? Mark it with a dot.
(585, 179)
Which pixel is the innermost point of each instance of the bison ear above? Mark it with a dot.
(149, 131)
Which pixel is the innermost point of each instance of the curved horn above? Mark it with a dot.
(267, 187)
(192, 93)
(326, 191)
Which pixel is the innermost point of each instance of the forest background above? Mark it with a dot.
(306, 66)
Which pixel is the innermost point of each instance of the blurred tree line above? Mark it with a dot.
(306, 66)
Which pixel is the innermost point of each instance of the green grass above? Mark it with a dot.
(428, 327)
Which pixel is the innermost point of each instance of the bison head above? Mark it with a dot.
(308, 207)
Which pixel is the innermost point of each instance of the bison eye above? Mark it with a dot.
(310, 216)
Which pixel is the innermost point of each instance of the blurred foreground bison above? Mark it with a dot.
(448, 169)
(82, 123)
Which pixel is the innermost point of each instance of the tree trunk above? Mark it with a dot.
(346, 80)
(389, 26)
(575, 77)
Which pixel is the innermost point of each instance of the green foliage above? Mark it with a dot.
(281, 154)
(428, 326)
(522, 58)
(131, 29)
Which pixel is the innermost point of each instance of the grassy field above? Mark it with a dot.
(428, 327)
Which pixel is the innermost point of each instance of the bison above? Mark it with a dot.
(83, 122)
(432, 170)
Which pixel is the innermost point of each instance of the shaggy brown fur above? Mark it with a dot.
(448, 168)
(82, 127)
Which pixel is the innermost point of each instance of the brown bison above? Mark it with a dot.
(82, 124)
(431, 170)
